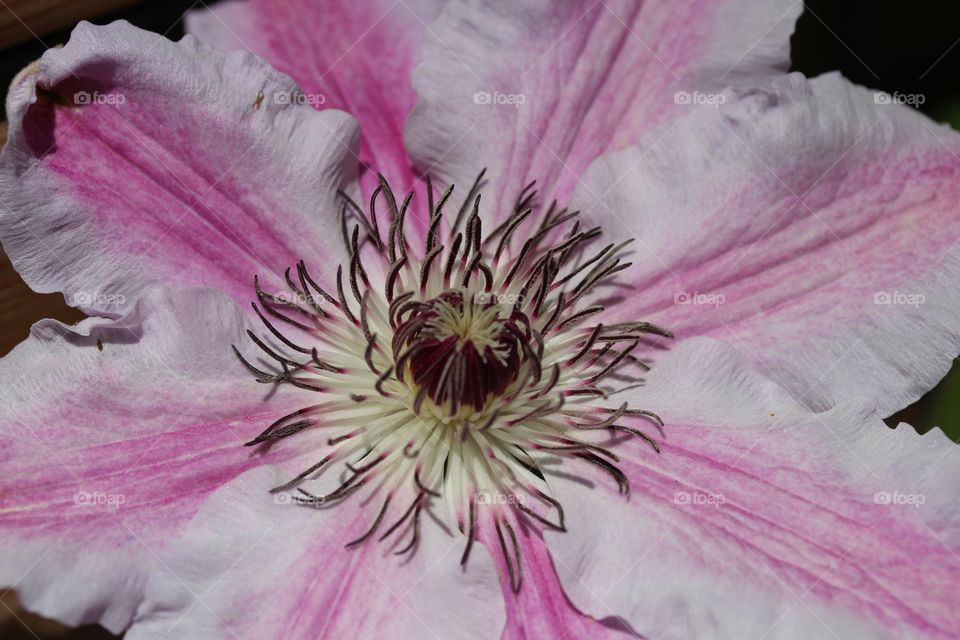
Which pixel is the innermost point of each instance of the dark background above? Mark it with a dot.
(892, 45)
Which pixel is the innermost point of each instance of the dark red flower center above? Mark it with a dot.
(460, 349)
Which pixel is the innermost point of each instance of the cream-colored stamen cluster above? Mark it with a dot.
(448, 373)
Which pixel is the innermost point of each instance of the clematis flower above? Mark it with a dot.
(472, 407)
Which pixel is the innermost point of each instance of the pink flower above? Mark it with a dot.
(451, 426)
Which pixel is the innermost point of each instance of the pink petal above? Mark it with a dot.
(568, 81)
(252, 568)
(355, 56)
(107, 453)
(761, 519)
(541, 609)
(810, 227)
(180, 168)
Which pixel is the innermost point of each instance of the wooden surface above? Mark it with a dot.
(16, 624)
(19, 306)
(23, 20)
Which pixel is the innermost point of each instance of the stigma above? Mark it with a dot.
(458, 352)
(448, 370)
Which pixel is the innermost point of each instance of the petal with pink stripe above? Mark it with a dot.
(112, 435)
(355, 56)
(812, 225)
(537, 90)
(250, 567)
(541, 609)
(761, 519)
(134, 161)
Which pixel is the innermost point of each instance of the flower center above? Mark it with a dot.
(457, 372)
(459, 352)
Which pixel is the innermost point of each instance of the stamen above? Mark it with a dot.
(458, 374)
(514, 566)
(373, 527)
(416, 532)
